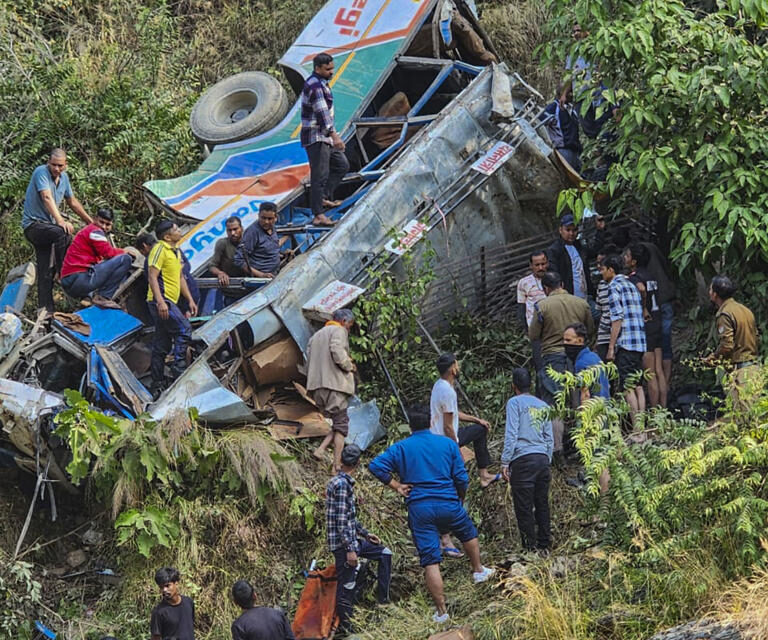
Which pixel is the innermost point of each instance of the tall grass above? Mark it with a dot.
(516, 28)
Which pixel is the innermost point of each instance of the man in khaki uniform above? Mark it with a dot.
(331, 380)
(551, 318)
(736, 332)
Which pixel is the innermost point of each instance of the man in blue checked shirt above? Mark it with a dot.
(525, 461)
(324, 146)
(433, 481)
(349, 540)
(627, 344)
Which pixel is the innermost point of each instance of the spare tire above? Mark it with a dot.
(239, 107)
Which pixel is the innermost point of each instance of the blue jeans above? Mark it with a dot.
(667, 316)
(174, 332)
(103, 278)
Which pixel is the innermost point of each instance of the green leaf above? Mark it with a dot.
(145, 542)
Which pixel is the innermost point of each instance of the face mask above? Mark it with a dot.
(573, 350)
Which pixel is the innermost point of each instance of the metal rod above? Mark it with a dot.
(392, 384)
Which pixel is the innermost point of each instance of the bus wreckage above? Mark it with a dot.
(442, 140)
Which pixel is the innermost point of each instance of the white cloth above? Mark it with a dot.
(579, 277)
(443, 400)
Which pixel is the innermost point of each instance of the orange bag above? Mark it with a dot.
(316, 617)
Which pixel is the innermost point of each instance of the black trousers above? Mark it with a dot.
(478, 436)
(327, 166)
(346, 577)
(529, 480)
(47, 238)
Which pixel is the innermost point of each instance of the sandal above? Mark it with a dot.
(496, 478)
(452, 552)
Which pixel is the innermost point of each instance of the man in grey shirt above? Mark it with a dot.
(258, 254)
(528, 443)
(44, 226)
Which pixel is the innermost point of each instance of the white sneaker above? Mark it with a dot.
(440, 619)
(482, 576)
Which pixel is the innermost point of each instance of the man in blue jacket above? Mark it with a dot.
(433, 481)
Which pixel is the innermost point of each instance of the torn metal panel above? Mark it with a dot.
(503, 103)
(17, 283)
(200, 389)
(131, 390)
(10, 333)
(22, 402)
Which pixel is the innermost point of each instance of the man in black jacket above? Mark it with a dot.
(569, 260)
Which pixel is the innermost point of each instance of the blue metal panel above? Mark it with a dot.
(107, 326)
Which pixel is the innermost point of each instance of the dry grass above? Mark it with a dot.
(261, 463)
(746, 604)
(516, 28)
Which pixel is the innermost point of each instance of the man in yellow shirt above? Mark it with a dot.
(172, 329)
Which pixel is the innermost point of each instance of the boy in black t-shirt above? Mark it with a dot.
(636, 258)
(257, 623)
(174, 617)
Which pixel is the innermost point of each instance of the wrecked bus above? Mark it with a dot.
(441, 141)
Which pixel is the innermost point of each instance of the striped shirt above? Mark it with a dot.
(604, 307)
(316, 111)
(627, 305)
(167, 260)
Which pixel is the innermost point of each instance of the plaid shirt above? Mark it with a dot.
(341, 514)
(316, 111)
(627, 305)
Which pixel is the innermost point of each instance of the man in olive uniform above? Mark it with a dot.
(736, 332)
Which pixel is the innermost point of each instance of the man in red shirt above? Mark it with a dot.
(92, 266)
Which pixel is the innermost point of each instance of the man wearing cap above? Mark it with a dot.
(92, 266)
(567, 258)
(736, 332)
(172, 329)
(349, 540)
(433, 481)
(331, 379)
(44, 226)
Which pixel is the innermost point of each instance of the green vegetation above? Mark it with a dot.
(685, 514)
(692, 82)
(114, 82)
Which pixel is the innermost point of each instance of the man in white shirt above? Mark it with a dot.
(445, 417)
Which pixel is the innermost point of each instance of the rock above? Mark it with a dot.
(561, 565)
(92, 537)
(58, 571)
(76, 558)
(518, 570)
(701, 630)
